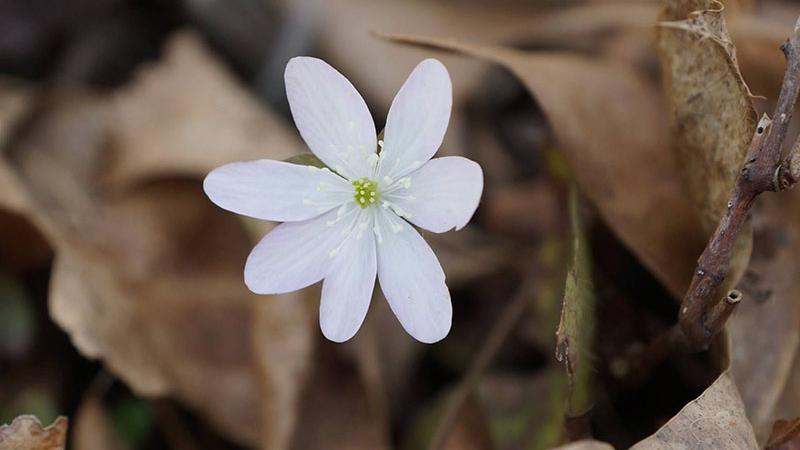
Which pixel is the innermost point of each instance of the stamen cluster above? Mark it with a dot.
(366, 192)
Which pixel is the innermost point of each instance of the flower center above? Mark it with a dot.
(366, 192)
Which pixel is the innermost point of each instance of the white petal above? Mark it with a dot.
(276, 190)
(347, 289)
(443, 194)
(412, 280)
(417, 120)
(298, 254)
(331, 116)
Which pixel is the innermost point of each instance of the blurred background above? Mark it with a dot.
(122, 303)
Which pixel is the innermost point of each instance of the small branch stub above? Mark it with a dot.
(722, 311)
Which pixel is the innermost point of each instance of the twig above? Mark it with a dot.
(498, 334)
(702, 315)
(763, 170)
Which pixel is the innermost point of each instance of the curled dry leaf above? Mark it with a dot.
(711, 111)
(27, 433)
(714, 420)
(594, 106)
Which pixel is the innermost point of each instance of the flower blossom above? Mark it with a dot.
(355, 219)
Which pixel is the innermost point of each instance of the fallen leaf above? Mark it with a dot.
(711, 111)
(582, 99)
(187, 115)
(785, 435)
(148, 275)
(765, 329)
(166, 321)
(27, 433)
(716, 419)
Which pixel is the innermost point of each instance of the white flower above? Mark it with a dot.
(349, 223)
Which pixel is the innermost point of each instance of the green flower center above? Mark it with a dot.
(366, 192)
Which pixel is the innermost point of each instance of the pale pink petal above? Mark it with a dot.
(417, 120)
(441, 195)
(331, 116)
(347, 289)
(297, 254)
(412, 279)
(275, 190)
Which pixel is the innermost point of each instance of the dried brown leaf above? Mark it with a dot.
(713, 122)
(344, 30)
(711, 110)
(165, 321)
(148, 275)
(765, 329)
(187, 115)
(27, 433)
(607, 119)
(716, 419)
(345, 27)
(788, 404)
(785, 435)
